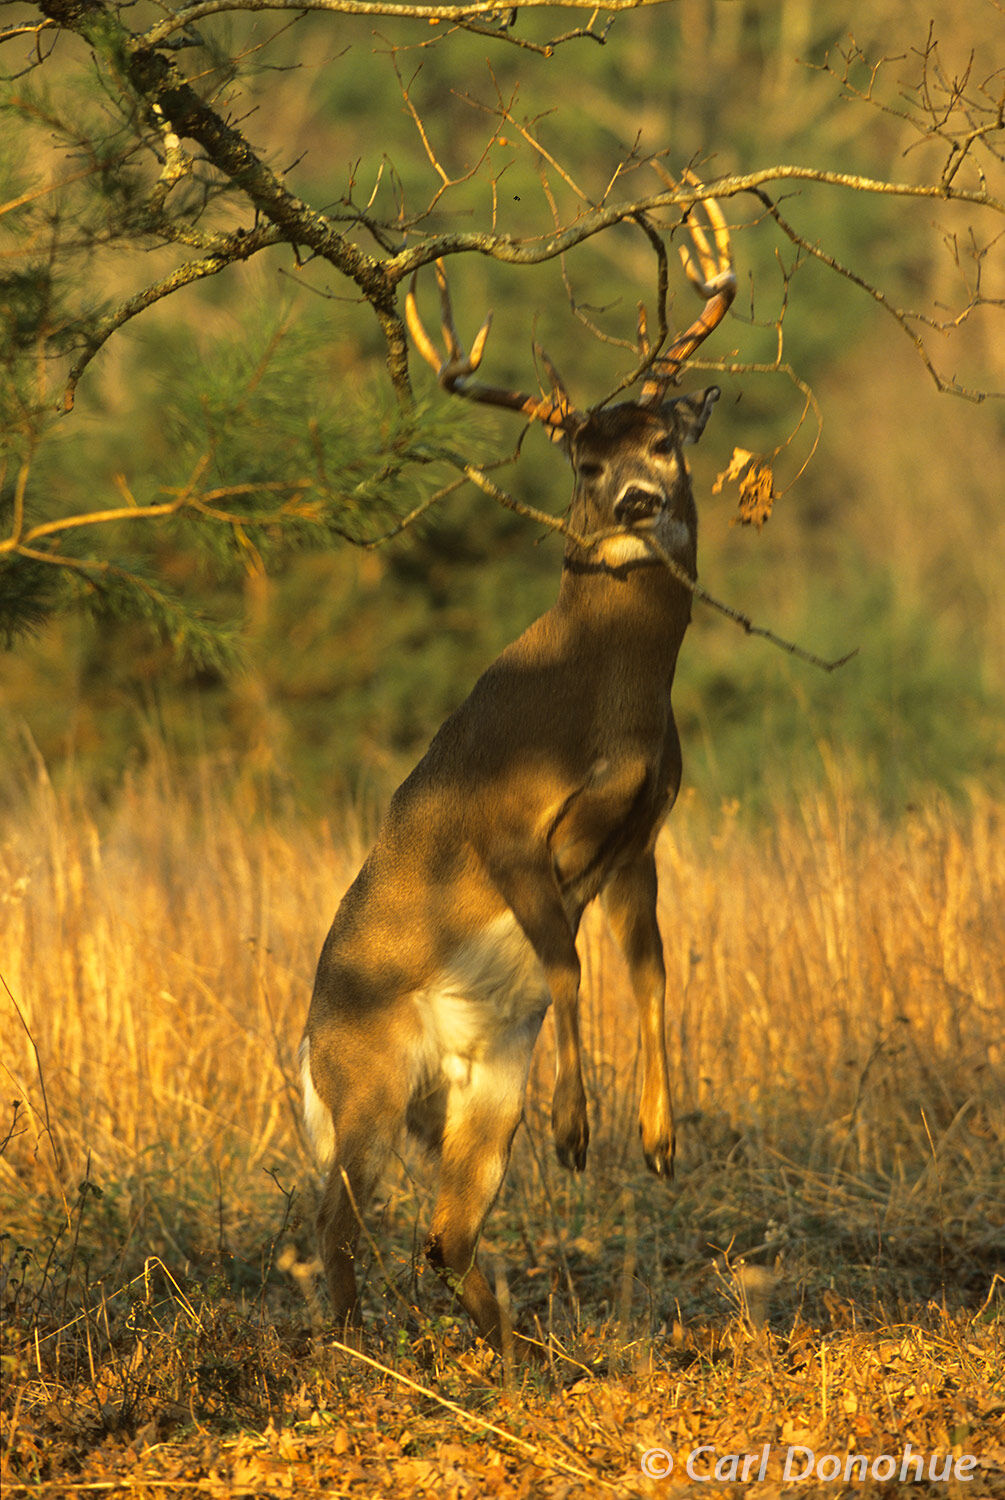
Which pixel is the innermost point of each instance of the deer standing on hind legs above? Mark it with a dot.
(545, 789)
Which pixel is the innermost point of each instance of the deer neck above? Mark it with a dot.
(637, 607)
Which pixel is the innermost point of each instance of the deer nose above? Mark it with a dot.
(637, 502)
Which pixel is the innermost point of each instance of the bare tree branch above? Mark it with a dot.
(177, 112)
(900, 316)
(453, 14)
(534, 250)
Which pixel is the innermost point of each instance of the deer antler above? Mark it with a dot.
(454, 373)
(712, 273)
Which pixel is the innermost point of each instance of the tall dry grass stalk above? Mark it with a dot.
(835, 998)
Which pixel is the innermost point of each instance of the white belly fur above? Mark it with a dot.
(493, 985)
(480, 1021)
(478, 1024)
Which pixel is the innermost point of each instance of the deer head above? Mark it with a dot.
(628, 461)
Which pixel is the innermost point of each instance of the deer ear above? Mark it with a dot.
(564, 434)
(692, 412)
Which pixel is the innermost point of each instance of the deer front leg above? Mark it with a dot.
(570, 1123)
(630, 902)
(531, 891)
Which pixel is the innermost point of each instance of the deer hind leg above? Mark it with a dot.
(630, 902)
(353, 1176)
(366, 1118)
(484, 1108)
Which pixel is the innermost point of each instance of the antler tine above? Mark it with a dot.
(557, 383)
(454, 372)
(457, 365)
(713, 275)
(709, 265)
(420, 338)
(466, 363)
(644, 345)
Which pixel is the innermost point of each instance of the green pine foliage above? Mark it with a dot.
(284, 571)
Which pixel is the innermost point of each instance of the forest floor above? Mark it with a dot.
(814, 1305)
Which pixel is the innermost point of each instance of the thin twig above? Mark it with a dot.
(682, 576)
(240, 245)
(899, 316)
(744, 621)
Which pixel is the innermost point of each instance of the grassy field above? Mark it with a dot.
(824, 1277)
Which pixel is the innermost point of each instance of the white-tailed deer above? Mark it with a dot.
(545, 789)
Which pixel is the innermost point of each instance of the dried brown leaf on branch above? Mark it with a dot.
(756, 479)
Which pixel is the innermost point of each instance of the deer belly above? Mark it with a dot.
(491, 986)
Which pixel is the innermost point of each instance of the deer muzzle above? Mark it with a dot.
(638, 502)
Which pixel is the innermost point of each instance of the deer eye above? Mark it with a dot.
(664, 445)
(590, 469)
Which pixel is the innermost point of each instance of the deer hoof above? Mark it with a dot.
(571, 1141)
(570, 1125)
(572, 1157)
(659, 1157)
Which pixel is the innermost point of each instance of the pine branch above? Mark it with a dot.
(232, 248)
(156, 84)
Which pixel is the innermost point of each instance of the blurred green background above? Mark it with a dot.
(891, 540)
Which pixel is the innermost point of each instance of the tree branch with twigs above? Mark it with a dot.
(177, 159)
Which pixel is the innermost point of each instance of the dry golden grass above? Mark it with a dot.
(823, 1273)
